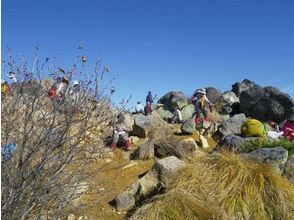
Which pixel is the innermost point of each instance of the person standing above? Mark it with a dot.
(149, 98)
(200, 101)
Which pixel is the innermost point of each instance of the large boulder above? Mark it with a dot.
(239, 87)
(187, 111)
(129, 121)
(172, 99)
(212, 94)
(189, 126)
(167, 167)
(143, 188)
(276, 156)
(148, 185)
(266, 103)
(232, 125)
(174, 147)
(165, 113)
(151, 125)
(144, 151)
(230, 98)
(234, 142)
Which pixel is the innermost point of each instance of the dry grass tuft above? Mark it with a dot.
(224, 187)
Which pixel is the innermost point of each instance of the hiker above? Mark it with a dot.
(73, 96)
(62, 87)
(139, 109)
(253, 128)
(149, 98)
(5, 88)
(12, 76)
(52, 92)
(200, 100)
(177, 116)
(120, 131)
(288, 128)
(148, 109)
(274, 130)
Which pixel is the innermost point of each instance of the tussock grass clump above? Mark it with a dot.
(177, 205)
(223, 187)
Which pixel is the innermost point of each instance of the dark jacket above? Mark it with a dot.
(149, 98)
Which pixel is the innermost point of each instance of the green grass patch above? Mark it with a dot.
(268, 143)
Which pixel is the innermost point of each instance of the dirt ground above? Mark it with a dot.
(115, 177)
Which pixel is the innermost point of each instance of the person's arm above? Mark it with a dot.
(206, 99)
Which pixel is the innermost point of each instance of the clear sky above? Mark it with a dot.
(161, 45)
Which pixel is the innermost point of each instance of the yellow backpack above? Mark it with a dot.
(253, 128)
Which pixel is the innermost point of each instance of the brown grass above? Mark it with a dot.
(224, 187)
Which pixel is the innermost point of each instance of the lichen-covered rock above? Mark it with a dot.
(276, 156)
(167, 167)
(189, 126)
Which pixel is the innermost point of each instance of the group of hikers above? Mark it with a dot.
(65, 93)
(61, 92)
(199, 99)
(251, 128)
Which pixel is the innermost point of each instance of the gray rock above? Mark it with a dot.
(230, 98)
(144, 151)
(142, 125)
(187, 111)
(167, 167)
(125, 201)
(164, 113)
(174, 147)
(266, 103)
(189, 126)
(289, 169)
(238, 87)
(232, 125)
(276, 156)
(142, 189)
(171, 99)
(212, 94)
(235, 142)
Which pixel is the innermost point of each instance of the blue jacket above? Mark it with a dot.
(149, 98)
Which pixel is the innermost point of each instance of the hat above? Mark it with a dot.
(75, 83)
(201, 91)
(291, 117)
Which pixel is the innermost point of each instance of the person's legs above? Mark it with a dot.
(114, 140)
(126, 140)
(204, 112)
(198, 112)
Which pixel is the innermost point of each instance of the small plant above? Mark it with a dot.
(268, 143)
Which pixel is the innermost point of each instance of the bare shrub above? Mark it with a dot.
(55, 143)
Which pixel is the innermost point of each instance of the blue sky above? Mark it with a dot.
(161, 45)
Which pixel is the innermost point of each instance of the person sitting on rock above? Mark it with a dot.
(148, 109)
(274, 130)
(149, 98)
(139, 109)
(288, 128)
(177, 116)
(120, 131)
(200, 100)
(62, 87)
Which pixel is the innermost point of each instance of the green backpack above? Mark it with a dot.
(253, 128)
